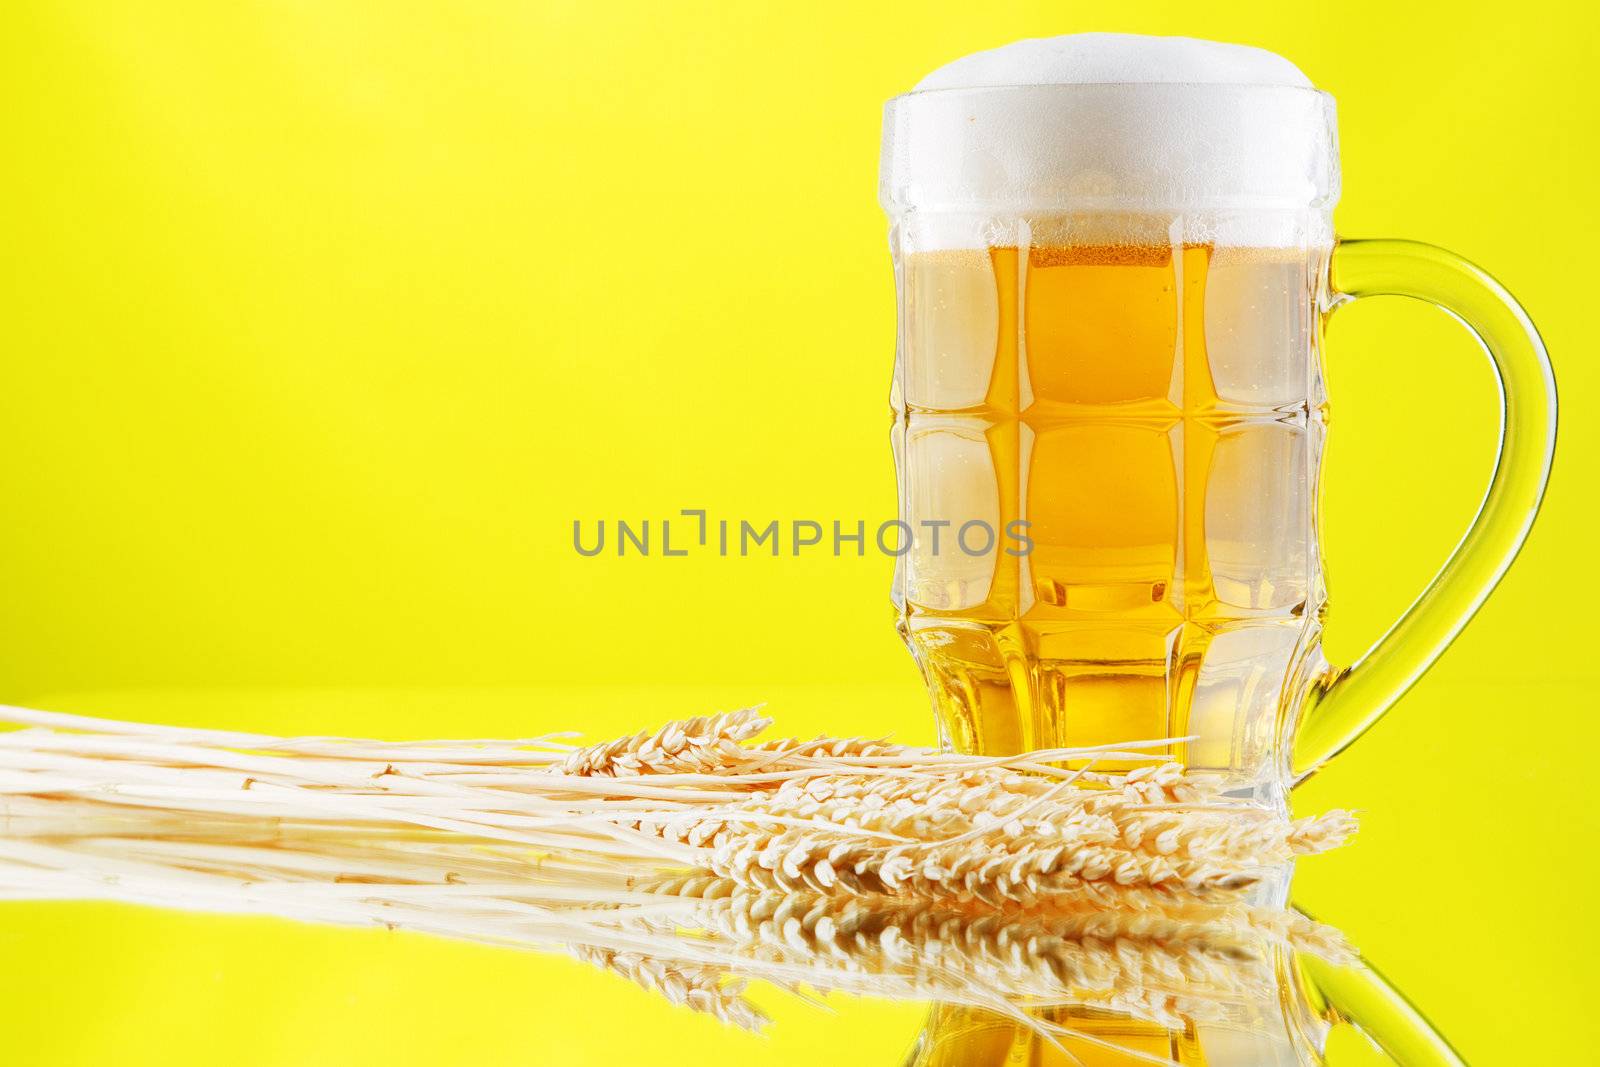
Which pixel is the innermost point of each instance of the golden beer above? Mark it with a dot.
(1150, 415)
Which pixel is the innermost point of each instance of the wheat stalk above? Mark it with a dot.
(990, 836)
(693, 746)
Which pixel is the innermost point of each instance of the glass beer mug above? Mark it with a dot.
(1114, 259)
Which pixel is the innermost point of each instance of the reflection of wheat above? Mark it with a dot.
(1149, 963)
(690, 857)
(697, 986)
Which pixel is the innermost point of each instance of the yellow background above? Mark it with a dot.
(321, 321)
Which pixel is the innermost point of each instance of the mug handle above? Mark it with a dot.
(1341, 705)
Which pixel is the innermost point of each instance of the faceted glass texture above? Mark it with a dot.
(1141, 425)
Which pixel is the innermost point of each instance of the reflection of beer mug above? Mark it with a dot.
(1114, 258)
(1291, 1027)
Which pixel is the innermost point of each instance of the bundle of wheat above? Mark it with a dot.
(689, 858)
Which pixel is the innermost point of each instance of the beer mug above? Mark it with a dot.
(1114, 260)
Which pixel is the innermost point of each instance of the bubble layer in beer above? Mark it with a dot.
(1184, 140)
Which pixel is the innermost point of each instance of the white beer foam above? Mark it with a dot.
(1201, 141)
(1085, 58)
